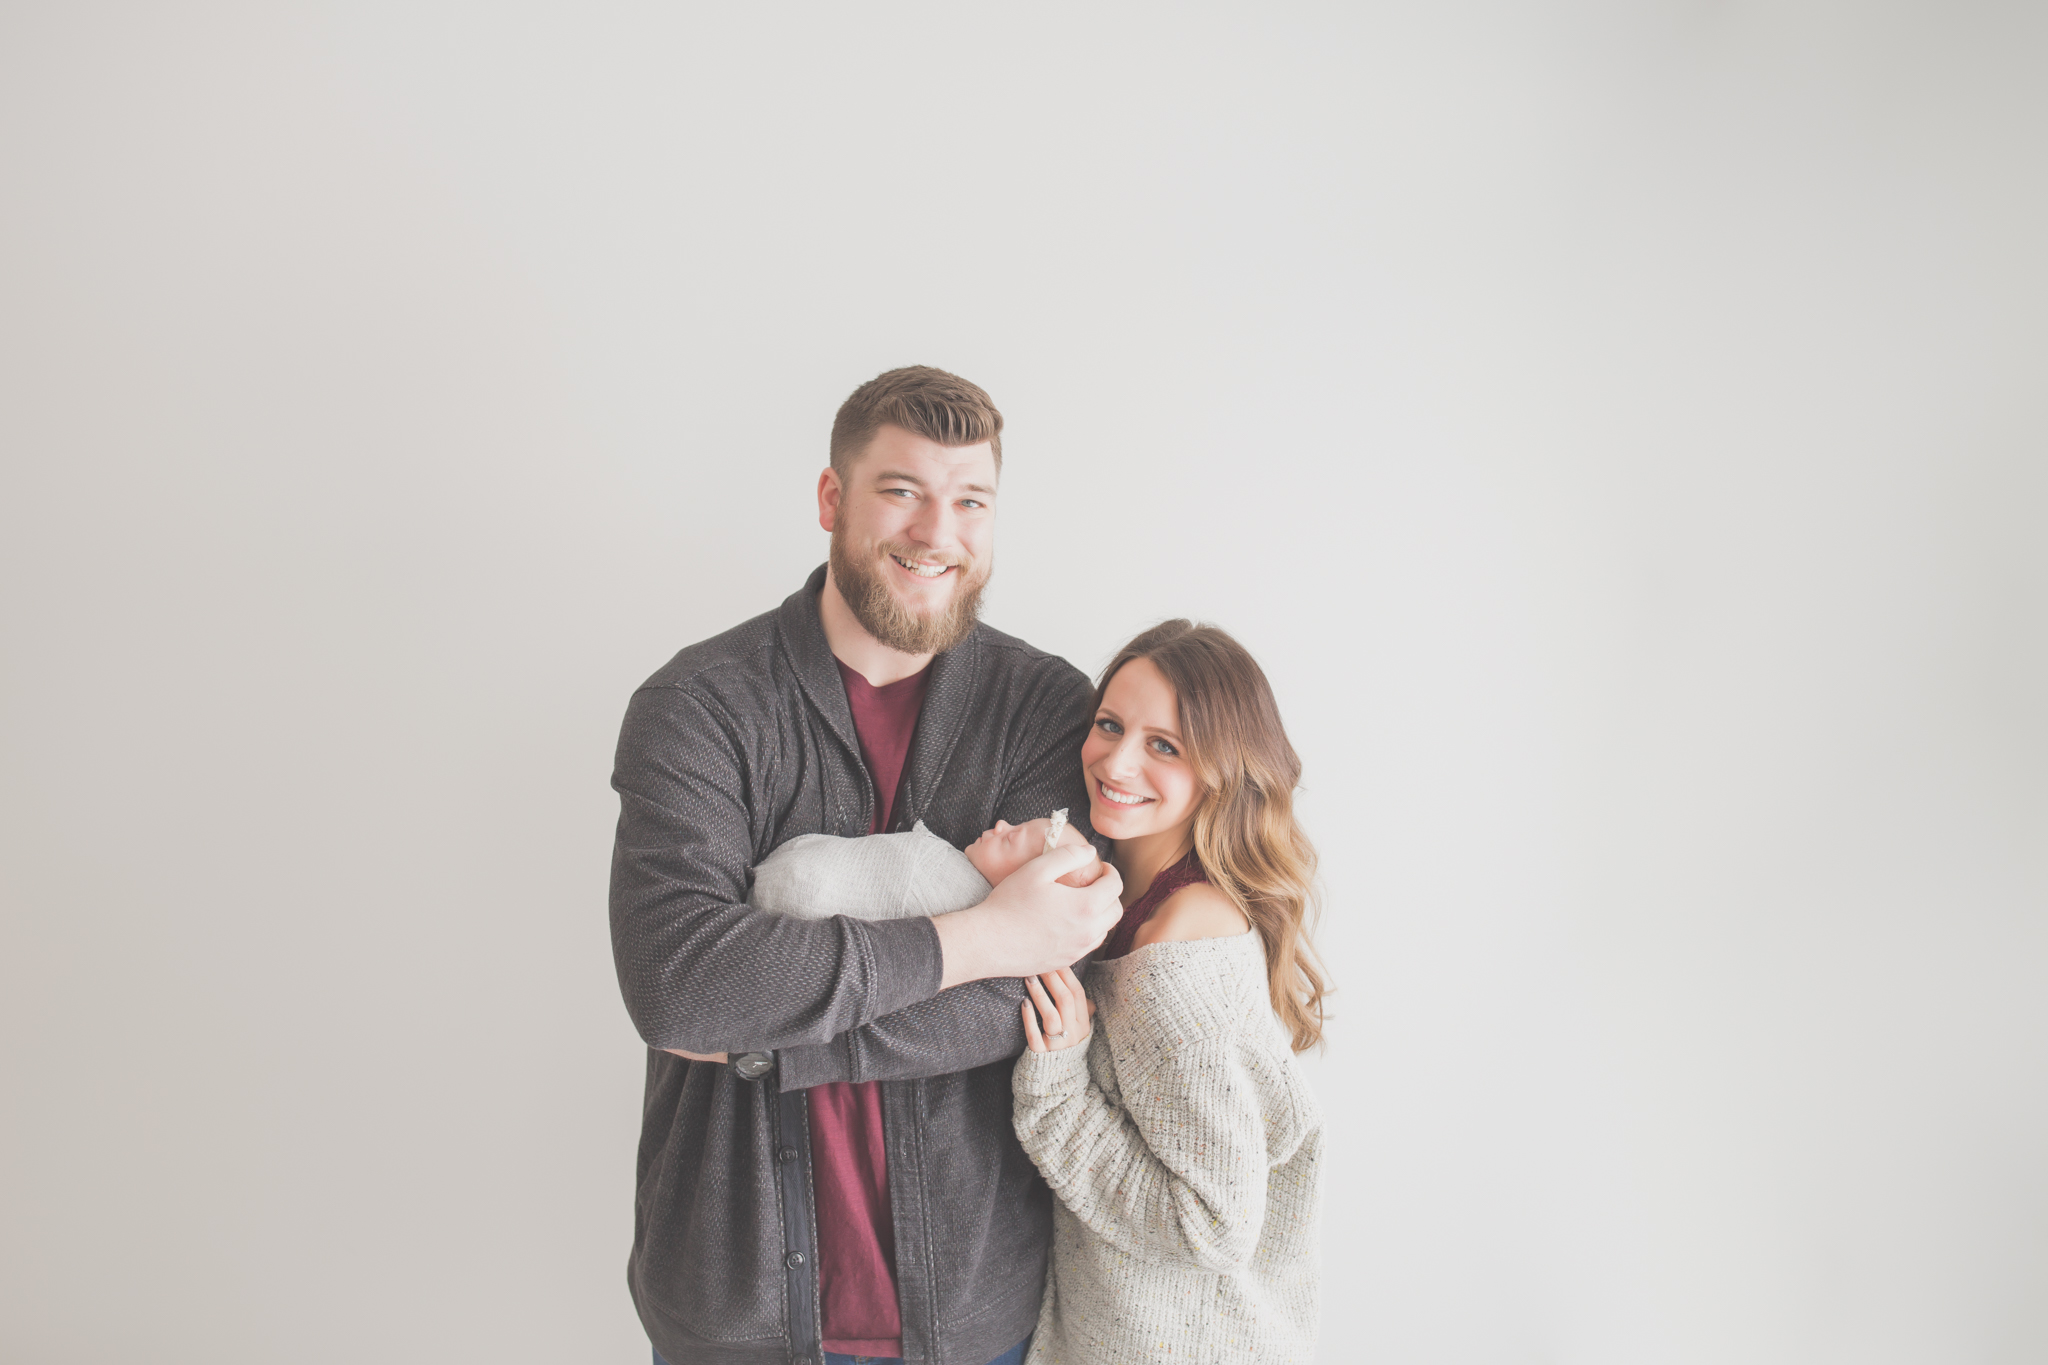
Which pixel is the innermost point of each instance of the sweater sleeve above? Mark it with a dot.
(1175, 1173)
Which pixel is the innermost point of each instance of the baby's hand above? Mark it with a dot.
(1008, 847)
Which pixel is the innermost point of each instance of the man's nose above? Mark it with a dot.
(935, 524)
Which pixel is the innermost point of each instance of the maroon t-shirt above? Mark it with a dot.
(849, 1169)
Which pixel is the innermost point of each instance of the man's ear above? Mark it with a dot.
(829, 493)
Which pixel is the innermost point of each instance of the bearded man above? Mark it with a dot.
(827, 1169)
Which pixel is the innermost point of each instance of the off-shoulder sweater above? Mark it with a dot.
(1183, 1145)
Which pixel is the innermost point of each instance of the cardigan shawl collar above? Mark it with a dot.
(948, 697)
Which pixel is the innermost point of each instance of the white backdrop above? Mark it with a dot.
(1619, 430)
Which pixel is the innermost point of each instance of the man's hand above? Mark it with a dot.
(1030, 923)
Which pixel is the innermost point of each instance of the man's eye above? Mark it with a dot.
(1108, 726)
(971, 504)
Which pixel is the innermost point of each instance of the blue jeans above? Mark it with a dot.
(1013, 1356)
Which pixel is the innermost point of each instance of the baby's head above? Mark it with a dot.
(1007, 847)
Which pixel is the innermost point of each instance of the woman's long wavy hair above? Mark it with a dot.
(1245, 832)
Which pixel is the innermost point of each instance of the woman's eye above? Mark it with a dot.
(1161, 747)
(1108, 726)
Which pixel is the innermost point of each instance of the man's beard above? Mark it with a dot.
(867, 595)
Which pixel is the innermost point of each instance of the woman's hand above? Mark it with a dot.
(1058, 1013)
(718, 1057)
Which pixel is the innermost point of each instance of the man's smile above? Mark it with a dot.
(923, 570)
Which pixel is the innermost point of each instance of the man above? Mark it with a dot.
(848, 1183)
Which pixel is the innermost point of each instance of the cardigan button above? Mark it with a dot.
(752, 1066)
(794, 1260)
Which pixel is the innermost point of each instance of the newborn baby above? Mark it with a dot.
(896, 876)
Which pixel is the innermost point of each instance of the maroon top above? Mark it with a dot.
(849, 1167)
(1186, 872)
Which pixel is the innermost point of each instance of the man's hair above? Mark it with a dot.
(938, 406)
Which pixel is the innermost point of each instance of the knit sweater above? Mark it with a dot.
(1184, 1147)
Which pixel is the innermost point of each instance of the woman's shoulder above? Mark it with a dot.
(1196, 911)
(1185, 998)
(1203, 976)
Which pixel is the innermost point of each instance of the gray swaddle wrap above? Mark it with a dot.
(878, 876)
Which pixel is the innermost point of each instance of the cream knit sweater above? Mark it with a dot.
(1184, 1146)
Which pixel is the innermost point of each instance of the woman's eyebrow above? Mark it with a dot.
(1104, 713)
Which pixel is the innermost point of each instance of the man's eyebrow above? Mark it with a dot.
(899, 476)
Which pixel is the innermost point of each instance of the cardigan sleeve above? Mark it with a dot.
(699, 968)
(1176, 1172)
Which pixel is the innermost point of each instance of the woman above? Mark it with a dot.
(1181, 1140)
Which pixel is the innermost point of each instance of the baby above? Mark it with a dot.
(896, 876)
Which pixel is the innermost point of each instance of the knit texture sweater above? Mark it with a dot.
(1184, 1148)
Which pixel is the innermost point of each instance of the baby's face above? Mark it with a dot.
(1007, 847)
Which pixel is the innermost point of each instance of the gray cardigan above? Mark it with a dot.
(739, 743)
